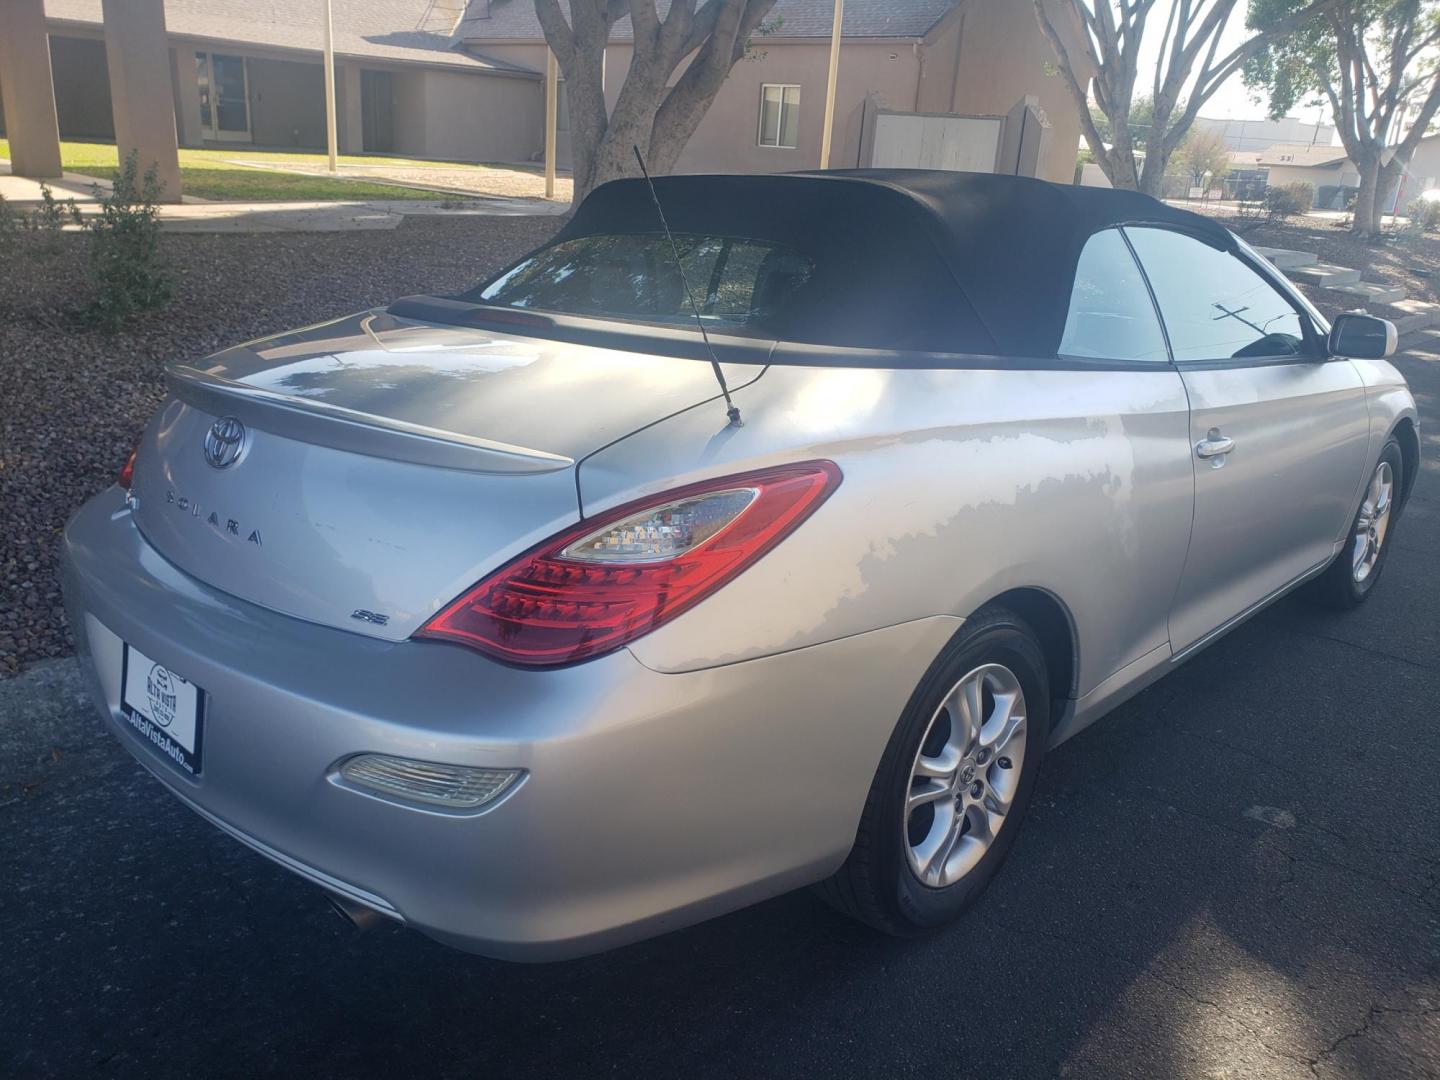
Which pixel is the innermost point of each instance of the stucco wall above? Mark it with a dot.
(463, 117)
(409, 113)
(529, 95)
(727, 138)
(1315, 177)
(287, 103)
(82, 88)
(483, 117)
(990, 57)
(186, 85)
(1424, 169)
(1002, 56)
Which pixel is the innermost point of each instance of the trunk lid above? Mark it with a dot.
(381, 465)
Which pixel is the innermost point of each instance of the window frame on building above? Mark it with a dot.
(779, 144)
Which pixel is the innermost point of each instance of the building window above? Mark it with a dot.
(779, 116)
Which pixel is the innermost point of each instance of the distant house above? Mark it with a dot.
(1328, 169)
(1334, 176)
(1318, 165)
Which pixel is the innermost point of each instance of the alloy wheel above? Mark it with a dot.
(965, 775)
(1373, 522)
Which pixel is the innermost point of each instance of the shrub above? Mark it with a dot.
(11, 222)
(51, 217)
(1250, 214)
(46, 223)
(1284, 201)
(1424, 214)
(126, 264)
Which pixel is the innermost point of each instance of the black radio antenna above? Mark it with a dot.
(731, 409)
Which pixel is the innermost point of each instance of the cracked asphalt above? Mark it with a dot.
(1236, 875)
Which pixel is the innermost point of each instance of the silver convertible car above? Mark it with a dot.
(755, 532)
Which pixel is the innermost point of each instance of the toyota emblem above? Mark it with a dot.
(224, 442)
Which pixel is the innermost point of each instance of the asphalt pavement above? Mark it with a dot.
(1237, 874)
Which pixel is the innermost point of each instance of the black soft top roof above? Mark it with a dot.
(906, 259)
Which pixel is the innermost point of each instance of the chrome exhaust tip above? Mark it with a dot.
(359, 916)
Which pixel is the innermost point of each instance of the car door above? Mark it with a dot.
(1279, 430)
(1121, 596)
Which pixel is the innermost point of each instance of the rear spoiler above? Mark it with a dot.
(318, 422)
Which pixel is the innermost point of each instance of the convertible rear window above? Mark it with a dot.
(733, 280)
(908, 262)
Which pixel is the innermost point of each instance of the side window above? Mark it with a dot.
(1215, 307)
(1111, 316)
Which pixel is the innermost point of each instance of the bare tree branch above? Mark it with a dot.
(647, 112)
(1105, 62)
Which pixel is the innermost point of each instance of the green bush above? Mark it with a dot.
(1284, 201)
(49, 219)
(11, 223)
(46, 223)
(129, 270)
(1424, 214)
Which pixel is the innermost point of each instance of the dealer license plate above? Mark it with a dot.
(163, 708)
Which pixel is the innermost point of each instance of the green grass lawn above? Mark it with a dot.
(209, 174)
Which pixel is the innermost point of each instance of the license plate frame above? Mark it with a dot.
(164, 709)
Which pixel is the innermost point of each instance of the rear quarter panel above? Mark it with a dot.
(959, 485)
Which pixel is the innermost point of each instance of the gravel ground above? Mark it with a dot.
(73, 400)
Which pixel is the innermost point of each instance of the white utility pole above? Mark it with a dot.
(330, 137)
(830, 84)
(552, 104)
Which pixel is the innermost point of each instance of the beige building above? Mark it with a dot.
(1424, 171)
(965, 84)
(927, 59)
(241, 73)
(1319, 166)
(1334, 176)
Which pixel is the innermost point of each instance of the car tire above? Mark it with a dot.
(886, 882)
(1351, 576)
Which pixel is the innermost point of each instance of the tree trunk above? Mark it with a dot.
(584, 88)
(1152, 176)
(1119, 168)
(1365, 219)
(1385, 189)
(648, 113)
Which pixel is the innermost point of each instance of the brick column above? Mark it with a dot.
(28, 89)
(138, 53)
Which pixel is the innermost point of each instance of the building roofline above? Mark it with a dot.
(775, 39)
(470, 64)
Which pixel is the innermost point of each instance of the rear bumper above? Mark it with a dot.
(650, 801)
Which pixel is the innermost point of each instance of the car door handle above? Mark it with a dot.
(1214, 445)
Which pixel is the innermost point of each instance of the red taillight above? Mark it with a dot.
(127, 471)
(619, 575)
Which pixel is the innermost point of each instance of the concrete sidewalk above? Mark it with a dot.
(195, 215)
